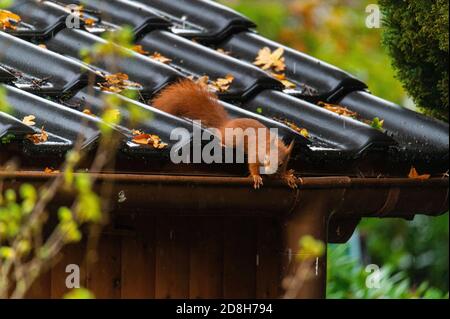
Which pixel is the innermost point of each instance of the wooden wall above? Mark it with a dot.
(177, 257)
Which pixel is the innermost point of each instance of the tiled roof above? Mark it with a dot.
(52, 84)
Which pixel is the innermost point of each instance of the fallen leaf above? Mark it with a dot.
(282, 78)
(160, 58)
(300, 130)
(340, 110)
(140, 49)
(43, 46)
(49, 170)
(220, 50)
(116, 83)
(222, 84)
(413, 174)
(203, 81)
(29, 120)
(149, 139)
(87, 112)
(136, 132)
(38, 138)
(89, 21)
(8, 20)
(267, 59)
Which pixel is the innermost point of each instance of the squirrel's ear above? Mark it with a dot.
(290, 147)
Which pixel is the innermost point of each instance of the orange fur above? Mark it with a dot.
(191, 100)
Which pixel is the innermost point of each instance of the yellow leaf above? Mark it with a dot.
(267, 59)
(8, 20)
(160, 58)
(29, 120)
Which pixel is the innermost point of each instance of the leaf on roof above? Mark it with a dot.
(338, 109)
(300, 130)
(49, 170)
(267, 59)
(140, 49)
(87, 112)
(219, 85)
(282, 78)
(136, 132)
(148, 139)
(413, 174)
(9, 20)
(160, 58)
(117, 83)
(220, 50)
(29, 120)
(89, 21)
(43, 46)
(222, 84)
(38, 138)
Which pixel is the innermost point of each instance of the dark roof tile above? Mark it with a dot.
(150, 74)
(195, 59)
(314, 78)
(206, 20)
(40, 70)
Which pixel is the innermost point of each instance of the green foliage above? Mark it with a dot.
(416, 35)
(419, 248)
(331, 31)
(4, 105)
(6, 3)
(347, 280)
(310, 248)
(79, 293)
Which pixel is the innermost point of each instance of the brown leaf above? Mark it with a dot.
(222, 84)
(8, 20)
(160, 58)
(282, 78)
(29, 120)
(220, 50)
(89, 22)
(87, 112)
(140, 49)
(49, 170)
(116, 83)
(38, 137)
(300, 130)
(267, 59)
(340, 110)
(413, 174)
(148, 139)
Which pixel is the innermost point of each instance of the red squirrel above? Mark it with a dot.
(192, 100)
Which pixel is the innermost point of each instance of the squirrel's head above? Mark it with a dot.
(277, 161)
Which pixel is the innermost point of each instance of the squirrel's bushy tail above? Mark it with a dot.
(192, 100)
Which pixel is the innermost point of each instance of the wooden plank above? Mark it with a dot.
(41, 288)
(239, 257)
(206, 257)
(104, 275)
(138, 261)
(269, 255)
(172, 257)
(71, 255)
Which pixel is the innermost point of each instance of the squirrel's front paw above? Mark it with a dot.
(257, 181)
(291, 180)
